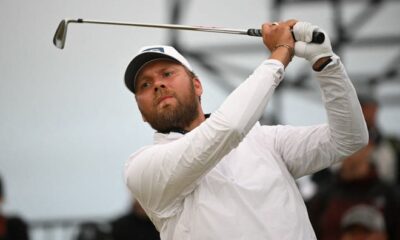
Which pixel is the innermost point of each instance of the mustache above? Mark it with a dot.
(162, 94)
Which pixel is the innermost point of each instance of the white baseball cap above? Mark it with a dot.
(363, 215)
(147, 54)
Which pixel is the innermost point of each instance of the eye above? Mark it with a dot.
(144, 85)
(167, 74)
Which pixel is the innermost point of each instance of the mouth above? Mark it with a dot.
(163, 98)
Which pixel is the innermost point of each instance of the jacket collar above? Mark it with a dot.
(174, 134)
(160, 138)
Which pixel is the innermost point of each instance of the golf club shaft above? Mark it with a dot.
(250, 32)
(168, 26)
(60, 35)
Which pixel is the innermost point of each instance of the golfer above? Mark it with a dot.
(225, 176)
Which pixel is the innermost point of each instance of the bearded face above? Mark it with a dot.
(166, 95)
(168, 116)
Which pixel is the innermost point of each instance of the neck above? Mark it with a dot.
(195, 123)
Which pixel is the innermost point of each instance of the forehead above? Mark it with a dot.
(157, 64)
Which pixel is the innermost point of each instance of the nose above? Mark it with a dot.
(158, 85)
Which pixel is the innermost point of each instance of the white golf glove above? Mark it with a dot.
(304, 48)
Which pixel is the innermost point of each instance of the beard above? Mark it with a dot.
(174, 117)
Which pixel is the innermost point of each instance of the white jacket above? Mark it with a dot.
(231, 178)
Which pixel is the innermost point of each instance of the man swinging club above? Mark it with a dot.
(225, 176)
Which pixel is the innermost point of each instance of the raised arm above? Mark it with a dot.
(162, 175)
(317, 147)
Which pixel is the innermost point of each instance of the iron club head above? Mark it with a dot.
(61, 34)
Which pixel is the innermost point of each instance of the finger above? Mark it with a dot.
(265, 28)
(300, 49)
(303, 31)
(291, 22)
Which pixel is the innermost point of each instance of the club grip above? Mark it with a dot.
(318, 37)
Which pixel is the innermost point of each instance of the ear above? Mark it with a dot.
(198, 88)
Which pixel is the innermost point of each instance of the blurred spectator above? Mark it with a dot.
(386, 154)
(11, 227)
(387, 148)
(363, 222)
(356, 182)
(135, 225)
(93, 231)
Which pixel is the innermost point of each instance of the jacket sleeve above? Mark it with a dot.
(160, 176)
(306, 150)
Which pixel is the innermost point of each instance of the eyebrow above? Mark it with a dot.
(159, 71)
(163, 69)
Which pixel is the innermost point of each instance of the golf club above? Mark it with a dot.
(61, 32)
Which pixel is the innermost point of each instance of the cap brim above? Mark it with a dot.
(137, 63)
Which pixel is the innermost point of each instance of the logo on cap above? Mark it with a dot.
(156, 49)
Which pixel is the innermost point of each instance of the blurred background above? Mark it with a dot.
(68, 123)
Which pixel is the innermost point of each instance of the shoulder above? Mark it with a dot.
(17, 227)
(135, 160)
(16, 221)
(136, 154)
